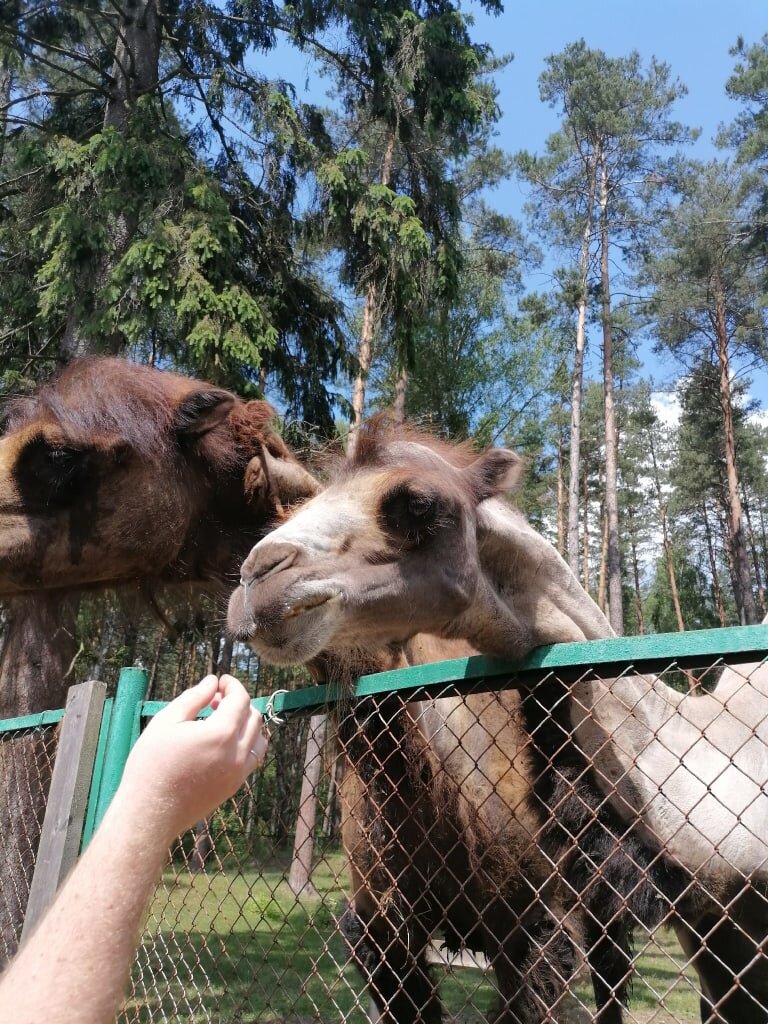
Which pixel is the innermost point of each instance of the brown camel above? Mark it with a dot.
(494, 818)
(113, 475)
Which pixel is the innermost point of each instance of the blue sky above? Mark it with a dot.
(692, 36)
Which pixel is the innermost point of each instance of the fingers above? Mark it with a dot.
(256, 739)
(192, 701)
(238, 718)
(234, 703)
(233, 719)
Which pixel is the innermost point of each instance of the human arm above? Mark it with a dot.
(74, 967)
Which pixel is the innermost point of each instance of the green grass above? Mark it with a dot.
(664, 990)
(236, 948)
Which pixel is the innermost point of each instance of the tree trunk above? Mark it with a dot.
(578, 376)
(753, 551)
(287, 753)
(38, 649)
(304, 843)
(748, 613)
(213, 653)
(136, 61)
(727, 542)
(665, 535)
(225, 656)
(561, 507)
(135, 73)
(401, 386)
(6, 85)
(370, 318)
(181, 665)
(332, 816)
(364, 358)
(585, 536)
(193, 654)
(603, 576)
(105, 639)
(636, 577)
(763, 538)
(203, 846)
(615, 597)
(713, 567)
(155, 664)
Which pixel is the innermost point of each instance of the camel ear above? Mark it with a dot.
(496, 471)
(284, 479)
(201, 411)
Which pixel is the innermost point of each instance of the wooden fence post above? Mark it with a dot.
(304, 843)
(67, 798)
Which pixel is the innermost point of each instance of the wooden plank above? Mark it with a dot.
(300, 874)
(68, 795)
(465, 958)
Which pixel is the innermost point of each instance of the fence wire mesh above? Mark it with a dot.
(585, 848)
(26, 764)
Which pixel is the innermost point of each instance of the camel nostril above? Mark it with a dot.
(265, 562)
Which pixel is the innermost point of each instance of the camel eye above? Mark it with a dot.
(62, 457)
(63, 463)
(408, 513)
(50, 472)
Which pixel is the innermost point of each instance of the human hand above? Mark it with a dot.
(181, 768)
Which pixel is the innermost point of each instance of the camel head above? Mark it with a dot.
(388, 550)
(116, 472)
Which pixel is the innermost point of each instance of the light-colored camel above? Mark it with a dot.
(655, 802)
(113, 475)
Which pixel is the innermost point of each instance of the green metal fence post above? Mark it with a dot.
(123, 729)
(98, 771)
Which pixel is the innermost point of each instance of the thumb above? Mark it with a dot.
(192, 701)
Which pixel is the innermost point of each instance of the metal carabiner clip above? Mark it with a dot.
(270, 718)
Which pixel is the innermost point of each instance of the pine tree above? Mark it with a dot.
(616, 118)
(415, 100)
(158, 211)
(706, 297)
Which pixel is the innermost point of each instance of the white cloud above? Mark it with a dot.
(667, 407)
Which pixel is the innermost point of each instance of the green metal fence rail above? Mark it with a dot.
(28, 722)
(736, 645)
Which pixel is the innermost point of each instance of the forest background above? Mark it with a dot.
(342, 207)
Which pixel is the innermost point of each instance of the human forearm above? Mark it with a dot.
(74, 968)
(80, 978)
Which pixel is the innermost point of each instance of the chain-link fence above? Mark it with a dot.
(27, 752)
(486, 854)
(586, 838)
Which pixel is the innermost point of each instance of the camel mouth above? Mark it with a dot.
(291, 632)
(311, 602)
